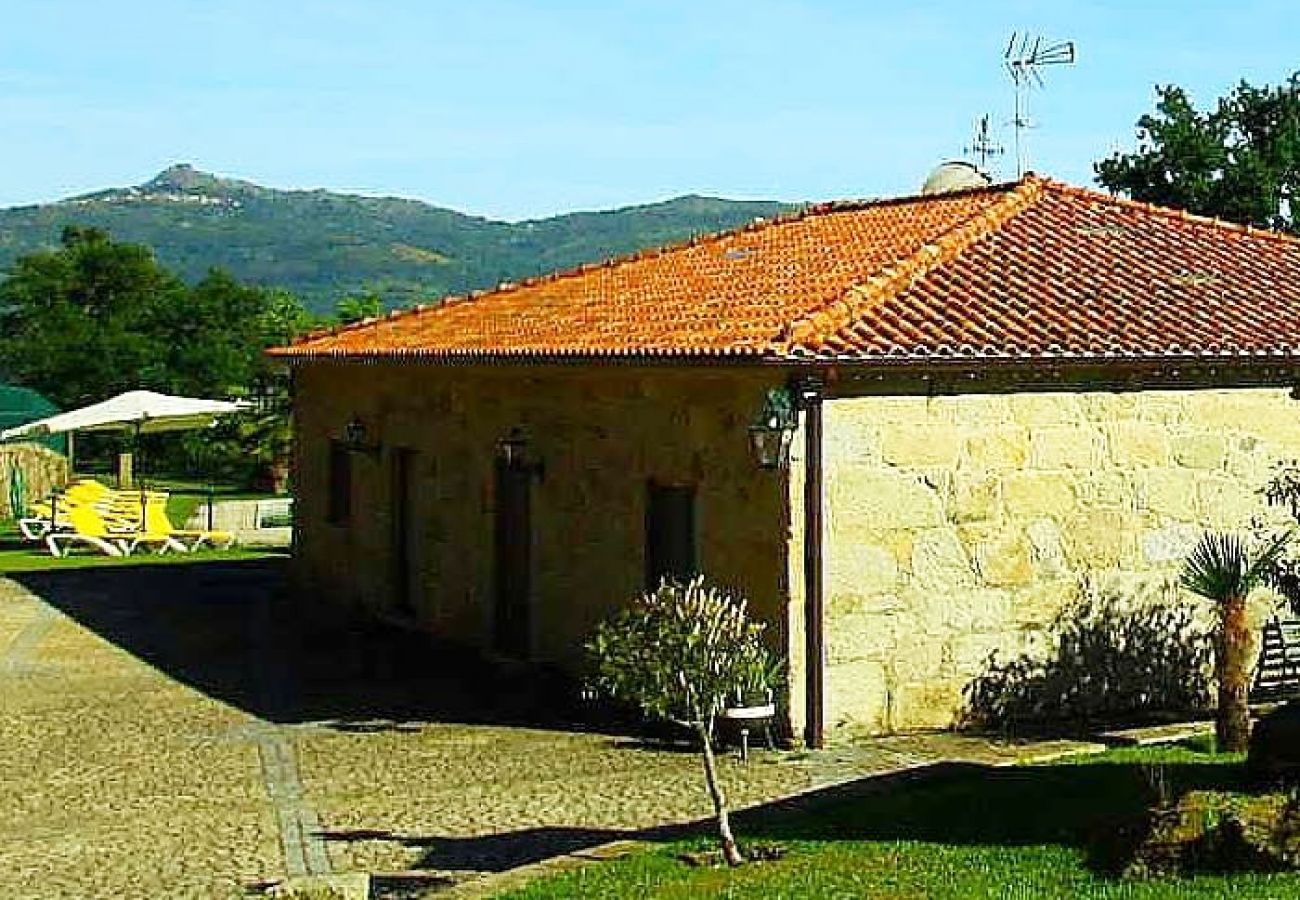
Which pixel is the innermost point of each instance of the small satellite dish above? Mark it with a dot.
(954, 175)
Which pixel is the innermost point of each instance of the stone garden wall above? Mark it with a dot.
(43, 471)
(960, 526)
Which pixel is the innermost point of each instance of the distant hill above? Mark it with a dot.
(322, 245)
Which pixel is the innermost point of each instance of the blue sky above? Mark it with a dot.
(515, 110)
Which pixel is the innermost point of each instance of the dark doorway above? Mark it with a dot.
(514, 539)
(403, 536)
(669, 533)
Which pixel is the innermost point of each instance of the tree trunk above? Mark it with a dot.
(1232, 662)
(730, 852)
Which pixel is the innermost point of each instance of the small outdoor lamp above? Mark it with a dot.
(773, 430)
(512, 452)
(356, 437)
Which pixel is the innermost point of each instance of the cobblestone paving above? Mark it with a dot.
(118, 782)
(176, 732)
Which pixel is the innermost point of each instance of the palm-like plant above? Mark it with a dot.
(1222, 568)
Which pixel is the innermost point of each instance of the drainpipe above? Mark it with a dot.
(810, 391)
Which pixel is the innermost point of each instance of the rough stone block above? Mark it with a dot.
(1169, 544)
(1138, 444)
(1032, 494)
(862, 568)
(928, 704)
(1096, 538)
(976, 609)
(1200, 450)
(939, 560)
(858, 695)
(1169, 493)
(1227, 502)
(975, 499)
(1067, 447)
(911, 446)
(1048, 552)
(1046, 409)
(1035, 606)
(1113, 489)
(998, 447)
(1005, 559)
(877, 499)
(917, 659)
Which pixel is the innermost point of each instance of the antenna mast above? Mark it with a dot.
(1025, 55)
(982, 145)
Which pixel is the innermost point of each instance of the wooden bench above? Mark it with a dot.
(1277, 675)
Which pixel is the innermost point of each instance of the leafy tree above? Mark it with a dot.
(97, 317)
(357, 307)
(1223, 569)
(1239, 161)
(680, 653)
(77, 323)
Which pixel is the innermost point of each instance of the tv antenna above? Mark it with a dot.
(982, 145)
(1026, 54)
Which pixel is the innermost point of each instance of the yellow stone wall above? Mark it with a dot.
(960, 525)
(601, 433)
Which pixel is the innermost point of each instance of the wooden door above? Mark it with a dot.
(514, 540)
(403, 536)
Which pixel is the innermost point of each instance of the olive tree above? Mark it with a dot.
(681, 653)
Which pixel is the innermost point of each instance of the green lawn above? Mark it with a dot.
(1043, 831)
(19, 556)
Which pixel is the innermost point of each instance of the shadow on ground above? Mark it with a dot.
(489, 853)
(230, 630)
(1092, 807)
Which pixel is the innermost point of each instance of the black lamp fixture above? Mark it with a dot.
(772, 431)
(512, 452)
(356, 437)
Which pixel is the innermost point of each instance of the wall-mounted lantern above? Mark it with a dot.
(357, 439)
(773, 429)
(513, 452)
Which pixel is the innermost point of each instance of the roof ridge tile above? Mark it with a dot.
(1168, 212)
(840, 312)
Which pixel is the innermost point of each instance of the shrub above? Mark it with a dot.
(683, 652)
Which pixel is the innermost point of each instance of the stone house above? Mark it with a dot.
(1000, 397)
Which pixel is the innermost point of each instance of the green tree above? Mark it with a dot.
(681, 653)
(1223, 569)
(77, 323)
(357, 307)
(96, 317)
(1239, 161)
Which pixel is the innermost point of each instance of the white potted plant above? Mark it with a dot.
(753, 700)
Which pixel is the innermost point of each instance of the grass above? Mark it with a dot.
(19, 556)
(1042, 831)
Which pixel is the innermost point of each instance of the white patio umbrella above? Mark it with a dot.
(137, 412)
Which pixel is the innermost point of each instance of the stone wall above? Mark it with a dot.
(601, 435)
(958, 526)
(43, 472)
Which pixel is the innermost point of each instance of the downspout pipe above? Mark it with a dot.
(810, 392)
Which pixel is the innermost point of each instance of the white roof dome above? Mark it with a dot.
(954, 175)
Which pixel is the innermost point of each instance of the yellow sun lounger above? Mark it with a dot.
(92, 530)
(50, 515)
(157, 520)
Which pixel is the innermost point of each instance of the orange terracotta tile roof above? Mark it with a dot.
(1029, 270)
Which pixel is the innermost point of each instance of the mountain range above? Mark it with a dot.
(323, 245)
